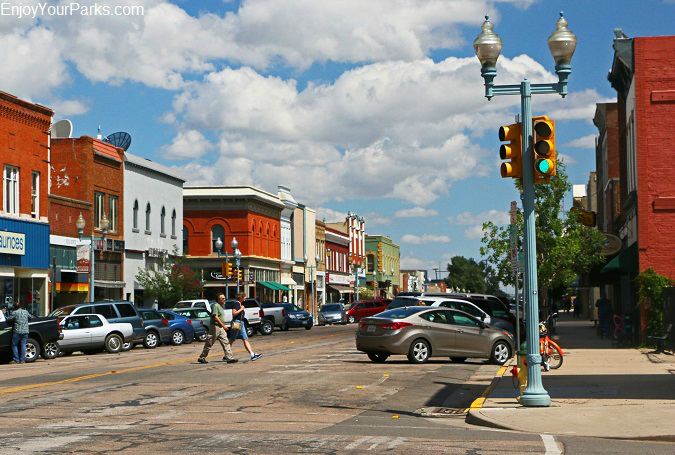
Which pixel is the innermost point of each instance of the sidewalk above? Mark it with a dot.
(600, 391)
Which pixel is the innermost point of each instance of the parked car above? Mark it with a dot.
(276, 314)
(43, 336)
(157, 328)
(421, 332)
(254, 317)
(332, 313)
(473, 310)
(114, 311)
(199, 318)
(365, 308)
(182, 331)
(402, 301)
(297, 317)
(196, 303)
(92, 333)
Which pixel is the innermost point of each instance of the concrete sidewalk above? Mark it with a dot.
(600, 391)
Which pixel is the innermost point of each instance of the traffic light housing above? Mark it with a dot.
(227, 269)
(512, 151)
(544, 149)
(240, 276)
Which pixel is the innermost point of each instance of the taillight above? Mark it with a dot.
(190, 321)
(165, 321)
(361, 324)
(201, 322)
(395, 325)
(262, 313)
(283, 313)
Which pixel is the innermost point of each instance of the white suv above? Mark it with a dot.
(467, 307)
(202, 304)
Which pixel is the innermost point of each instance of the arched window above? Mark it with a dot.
(173, 223)
(185, 240)
(217, 232)
(136, 214)
(162, 217)
(147, 217)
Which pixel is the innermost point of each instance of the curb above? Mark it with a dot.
(473, 415)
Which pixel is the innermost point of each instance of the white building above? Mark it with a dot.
(153, 219)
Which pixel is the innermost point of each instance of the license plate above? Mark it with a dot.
(371, 328)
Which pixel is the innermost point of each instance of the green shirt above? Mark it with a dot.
(217, 310)
(20, 318)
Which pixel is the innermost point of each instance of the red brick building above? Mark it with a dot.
(250, 215)
(24, 228)
(88, 178)
(640, 210)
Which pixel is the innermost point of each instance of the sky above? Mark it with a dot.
(375, 107)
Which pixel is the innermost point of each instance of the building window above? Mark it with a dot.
(11, 199)
(136, 214)
(98, 209)
(162, 218)
(112, 213)
(185, 240)
(371, 263)
(217, 232)
(173, 223)
(35, 195)
(147, 217)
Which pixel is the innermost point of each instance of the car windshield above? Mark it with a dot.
(331, 307)
(63, 311)
(183, 305)
(400, 302)
(401, 313)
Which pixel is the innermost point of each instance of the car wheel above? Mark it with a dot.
(501, 352)
(177, 338)
(378, 357)
(308, 327)
(351, 319)
(284, 326)
(249, 330)
(127, 346)
(458, 359)
(266, 328)
(419, 351)
(32, 350)
(202, 337)
(50, 350)
(113, 344)
(151, 340)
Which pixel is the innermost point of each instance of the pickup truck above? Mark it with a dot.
(276, 314)
(254, 317)
(43, 338)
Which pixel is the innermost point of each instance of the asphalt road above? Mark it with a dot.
(312, 392)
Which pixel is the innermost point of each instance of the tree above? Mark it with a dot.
(471, 276)
(565, 247)
(171, 282)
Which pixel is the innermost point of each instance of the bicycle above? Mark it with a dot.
(551, 354)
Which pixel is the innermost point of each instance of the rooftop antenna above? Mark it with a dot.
(62, 129)
(98, 136)
(120, 139)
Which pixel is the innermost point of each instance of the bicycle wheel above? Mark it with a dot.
(555, 357)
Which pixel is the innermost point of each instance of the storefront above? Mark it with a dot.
(71, 287)
(24, 264)
(340, 287)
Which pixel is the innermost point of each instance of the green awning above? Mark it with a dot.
(624, 262)
(273, 285)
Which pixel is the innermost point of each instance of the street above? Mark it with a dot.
(312, 392)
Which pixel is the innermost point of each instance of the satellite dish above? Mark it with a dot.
(119, 139)
(62, 129)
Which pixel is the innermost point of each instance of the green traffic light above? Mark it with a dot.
(543, 166)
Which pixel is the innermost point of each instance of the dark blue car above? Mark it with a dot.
(297, 317)
(181, 328)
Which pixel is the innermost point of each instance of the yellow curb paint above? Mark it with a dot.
(385, 375)
(395, 416)
(359, 386)
(128, 370)
(480, 401)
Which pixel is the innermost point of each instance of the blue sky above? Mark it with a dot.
(371, 107)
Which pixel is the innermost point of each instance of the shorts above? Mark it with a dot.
(240, 333)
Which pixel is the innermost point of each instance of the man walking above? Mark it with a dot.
(604, 306)
(20, 318)
(238, 316)
(217, 332)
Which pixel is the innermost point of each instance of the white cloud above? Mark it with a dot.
(67, 108)
(474, 232)
(330, 215)
(578, 105)
(187, 144)
(415, 212)
(375, 219)
(586, 142)
(468, 218)
(566, 158)
(424, 239)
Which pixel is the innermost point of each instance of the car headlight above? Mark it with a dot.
(292, 316)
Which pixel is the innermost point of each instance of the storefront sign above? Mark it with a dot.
(217, 275)
(12, 243)
(347, 280)
(83, 263)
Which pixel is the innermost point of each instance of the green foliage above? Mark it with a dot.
(171, 282)
(650, 294)
(365, 293)
(471, 276)
(565, 248)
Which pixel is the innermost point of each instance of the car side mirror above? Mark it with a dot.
(482, 324)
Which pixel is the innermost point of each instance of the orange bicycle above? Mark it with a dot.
(551, 354)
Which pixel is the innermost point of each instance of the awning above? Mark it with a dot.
(273, 285)
(288, 280)
(625, 262)
(341, 288)
(108, 284)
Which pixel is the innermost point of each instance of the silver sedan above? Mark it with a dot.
(424, 332)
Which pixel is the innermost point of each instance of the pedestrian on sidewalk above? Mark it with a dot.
(238, 316)
(217, 332)
(604, 306)
(577, 307)
(19, 318)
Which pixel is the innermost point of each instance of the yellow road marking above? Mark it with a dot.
(128, 370)
(480, 401)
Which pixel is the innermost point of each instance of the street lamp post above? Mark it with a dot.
(80, 223)
(219, 249)
(562, 44)
(237, 256)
